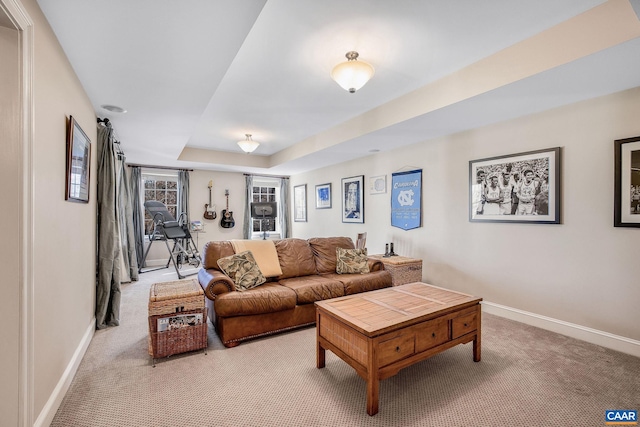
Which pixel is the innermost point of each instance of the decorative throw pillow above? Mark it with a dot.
(243, 270)
(351, 261)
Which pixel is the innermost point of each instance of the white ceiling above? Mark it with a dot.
(196, 75)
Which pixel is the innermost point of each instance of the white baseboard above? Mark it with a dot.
(594, 336)
(156, 262)
(51, 407)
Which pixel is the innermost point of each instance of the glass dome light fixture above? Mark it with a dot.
(113, 108)
(352, 74)
(248, 145)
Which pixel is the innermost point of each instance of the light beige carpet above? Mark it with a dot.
(527, 377)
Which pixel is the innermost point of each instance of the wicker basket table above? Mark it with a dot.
(177, 318)
(403, 269)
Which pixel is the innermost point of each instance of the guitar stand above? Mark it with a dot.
(165, 227)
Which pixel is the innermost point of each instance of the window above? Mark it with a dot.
(163, 188)
(265, 190)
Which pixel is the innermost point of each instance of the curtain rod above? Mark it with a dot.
(133, 165)
(266, 176)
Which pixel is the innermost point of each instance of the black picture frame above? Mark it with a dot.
(533, 180)
(78, 163)
(353, 199)
(626, 206)
(323, 196)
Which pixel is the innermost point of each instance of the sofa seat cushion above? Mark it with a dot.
(310, 289)
(268, 298)
(324, 249)
(355, 283)
(296, 258)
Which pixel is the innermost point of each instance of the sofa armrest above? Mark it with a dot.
(375, 264)
(215, 282)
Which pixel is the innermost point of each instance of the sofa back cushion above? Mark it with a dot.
(296, 258)
(324, 251)
(215, 250)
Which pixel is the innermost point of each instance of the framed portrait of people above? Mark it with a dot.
(627, 183)
(523, 187)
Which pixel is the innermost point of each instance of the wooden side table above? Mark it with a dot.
(403, 269)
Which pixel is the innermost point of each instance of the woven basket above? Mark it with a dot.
(403, 269)
(175, 297)
(182, 340)
(405, 273)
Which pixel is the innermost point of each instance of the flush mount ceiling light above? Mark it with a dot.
(352, 74)
(113, 108)
(248, 145)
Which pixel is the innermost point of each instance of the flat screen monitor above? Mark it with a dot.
(264, 210)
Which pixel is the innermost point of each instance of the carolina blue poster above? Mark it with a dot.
(406, 199)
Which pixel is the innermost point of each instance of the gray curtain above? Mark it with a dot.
(138, 213)
(127, 230)
(283, 209)
(247, 225)
(109, 248)
(183, 194)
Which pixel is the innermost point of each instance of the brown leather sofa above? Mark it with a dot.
(286, 301)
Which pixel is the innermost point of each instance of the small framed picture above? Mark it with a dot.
(523, 187)
(353, 199)
(323, 196)
(627, 183)
(300, 203)
(378, 184)
(78, 163)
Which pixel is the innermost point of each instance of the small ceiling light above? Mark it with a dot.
(248, 145)
(113, 108)
(352, 74)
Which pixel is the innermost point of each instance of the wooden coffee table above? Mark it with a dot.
(380, 332)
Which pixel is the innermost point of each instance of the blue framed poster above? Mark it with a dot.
(406, 199)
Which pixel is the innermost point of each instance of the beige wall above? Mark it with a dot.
(583, 271)
(198, 197)
(10, 216)
(64, 232)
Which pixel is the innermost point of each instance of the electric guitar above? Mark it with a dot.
(209, 209)
(226, 219)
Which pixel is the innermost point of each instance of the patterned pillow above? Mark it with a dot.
(243, 270)
(351, 261)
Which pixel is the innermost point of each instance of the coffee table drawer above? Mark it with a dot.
(395, 346)
(464, 324)
(430, 334)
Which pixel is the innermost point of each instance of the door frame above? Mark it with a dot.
(22, 22)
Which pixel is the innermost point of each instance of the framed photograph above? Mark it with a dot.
(78, 163)
(378, 184)
(300, 203)
(523, 187)
(353, 199)
(626, 206)
(323, 196)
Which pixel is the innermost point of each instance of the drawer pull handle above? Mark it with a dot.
(433, 335)
(398, 349)
(465, 325)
